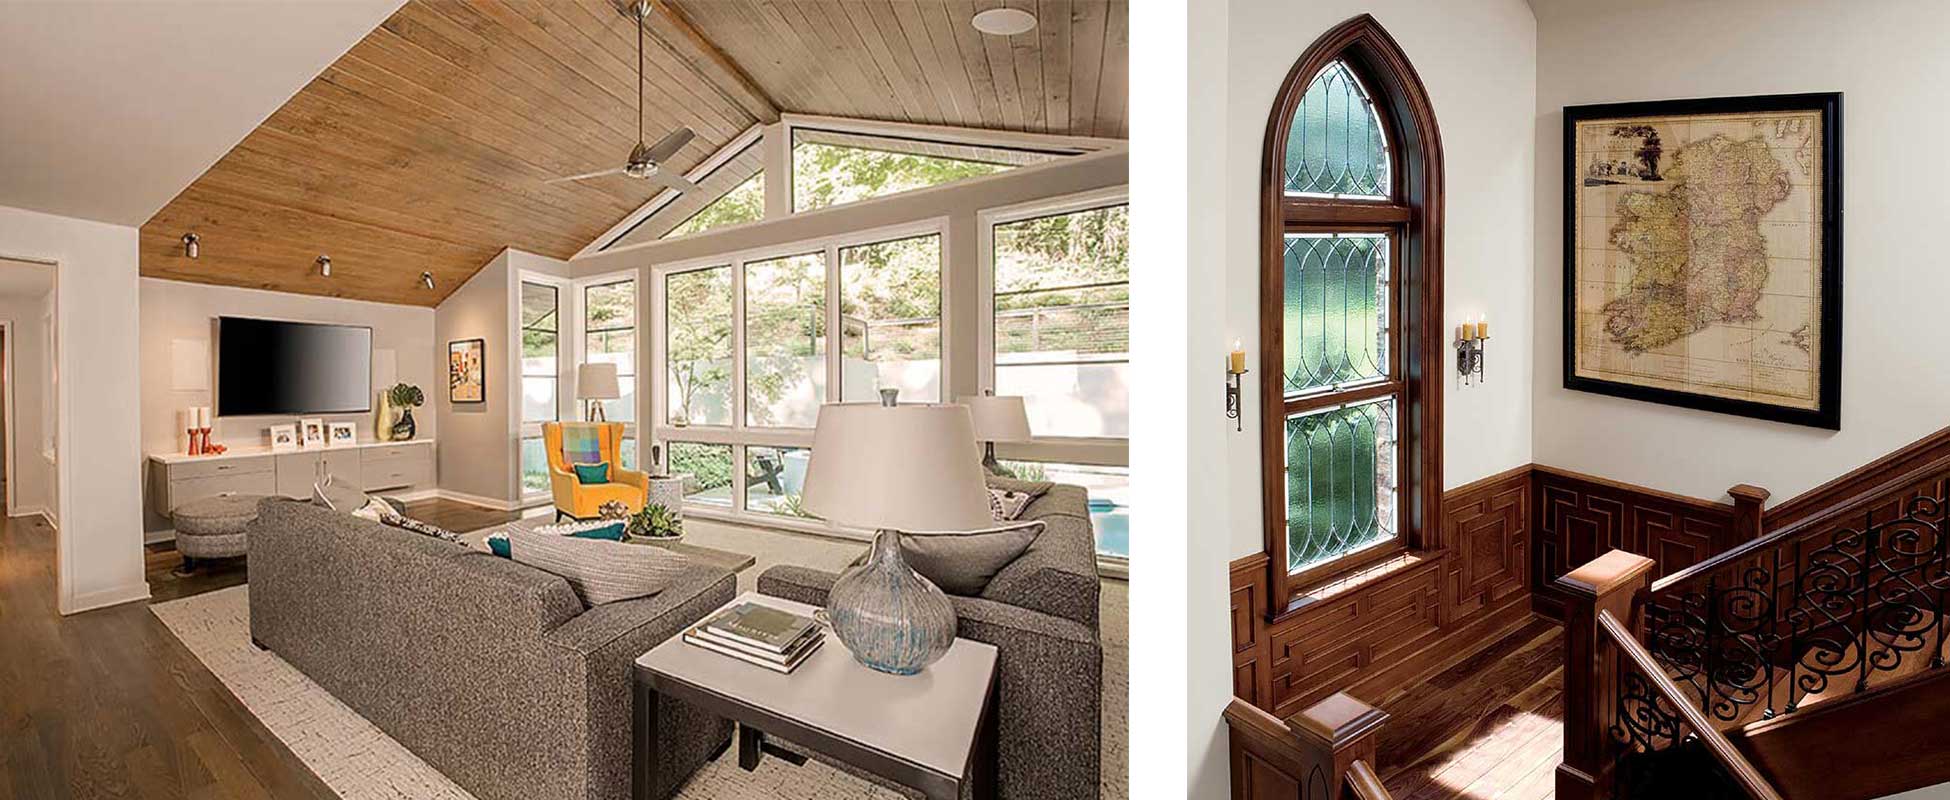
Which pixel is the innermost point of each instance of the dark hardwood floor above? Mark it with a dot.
(109, 704)
(1487, 726)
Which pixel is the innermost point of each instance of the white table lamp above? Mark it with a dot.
(891, 468)
(997, 419)
(595, 382)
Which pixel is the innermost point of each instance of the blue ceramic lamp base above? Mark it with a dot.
(889, 617)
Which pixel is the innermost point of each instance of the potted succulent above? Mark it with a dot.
(657, 521)
(405, 396)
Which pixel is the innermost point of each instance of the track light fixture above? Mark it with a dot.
(426, 279)
(189, 245)
(325, 266)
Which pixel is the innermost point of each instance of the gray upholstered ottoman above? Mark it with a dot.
(214, 527)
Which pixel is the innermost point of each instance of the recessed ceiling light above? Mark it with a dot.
(1005, 21)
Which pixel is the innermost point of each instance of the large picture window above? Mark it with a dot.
(1350, 340)
(1061, 318)
(747, 357)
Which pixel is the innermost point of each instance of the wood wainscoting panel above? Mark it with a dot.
(1485, 528)
(1326, 647)
(1250, 679)
(1579, 517)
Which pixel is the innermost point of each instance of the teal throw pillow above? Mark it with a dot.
(590, 474)
(498, 544)
(612, 532)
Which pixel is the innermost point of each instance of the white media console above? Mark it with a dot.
(176, 478)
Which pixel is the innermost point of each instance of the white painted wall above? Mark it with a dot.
(1888, 60)
(100, 547)
(33, 475)
(1478, 60)
(479, 446)
(173, 311)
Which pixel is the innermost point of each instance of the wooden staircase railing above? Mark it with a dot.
(1323, 753)
(1627, 725)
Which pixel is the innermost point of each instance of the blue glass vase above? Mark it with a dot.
(891, 618)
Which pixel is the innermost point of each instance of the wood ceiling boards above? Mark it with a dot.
(426, 146)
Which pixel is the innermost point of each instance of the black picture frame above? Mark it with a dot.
(480, 346)
(1828, 412)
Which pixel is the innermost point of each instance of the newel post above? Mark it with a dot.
(1747, 502)
(1305, 756)
(1607, 583)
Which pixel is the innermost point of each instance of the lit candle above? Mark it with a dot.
(1238, 362)
(1469, 331)
(1483, 329)
(1460, 333)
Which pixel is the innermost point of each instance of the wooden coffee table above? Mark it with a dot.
(933, 732)
(722, 559)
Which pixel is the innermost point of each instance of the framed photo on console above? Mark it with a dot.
(284, 438)
(341, 434)
(467, 371)
(311, 433)
(1703, 254)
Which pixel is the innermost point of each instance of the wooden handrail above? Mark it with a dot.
(1364, 784)
(1736, 765)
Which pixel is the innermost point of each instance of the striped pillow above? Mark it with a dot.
(600, 571)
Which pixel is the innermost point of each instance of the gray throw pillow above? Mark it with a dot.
(963, 563)
(600, 571)
(338, 497)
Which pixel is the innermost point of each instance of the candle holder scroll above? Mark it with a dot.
(1469, 359)
(1232, 396)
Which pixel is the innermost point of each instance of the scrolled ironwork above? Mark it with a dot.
(1812, 616)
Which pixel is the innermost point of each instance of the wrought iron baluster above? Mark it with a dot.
(1869, 537)
(1941, 581)
(1794, 631)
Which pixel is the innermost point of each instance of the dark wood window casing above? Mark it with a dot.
(1411, 216)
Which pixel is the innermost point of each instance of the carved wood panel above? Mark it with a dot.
(1578, 519)
(1485, 527)
(1250, 680)
(1328, 646)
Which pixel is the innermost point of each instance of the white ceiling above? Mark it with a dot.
(25, 278)
(108, 108)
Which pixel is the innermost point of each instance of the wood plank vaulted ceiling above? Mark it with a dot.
(426, 146)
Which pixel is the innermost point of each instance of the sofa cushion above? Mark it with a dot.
(599, 571)
(963, 563)
(595, 495)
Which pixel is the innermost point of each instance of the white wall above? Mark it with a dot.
(1888, 60)
(176, 311)
(1478, 61)
(100, 549)
(33, 475)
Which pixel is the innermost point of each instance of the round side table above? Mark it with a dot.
(668, 490)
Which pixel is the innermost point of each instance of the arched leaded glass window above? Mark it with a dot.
(1351, 220)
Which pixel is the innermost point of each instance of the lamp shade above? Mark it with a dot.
(910, 468)
(997, 418)
(597, 381)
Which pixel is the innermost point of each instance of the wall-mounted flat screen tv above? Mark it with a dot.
(272, 367)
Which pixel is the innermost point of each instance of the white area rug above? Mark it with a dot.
(359, 761)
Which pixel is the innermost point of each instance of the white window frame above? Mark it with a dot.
(1096, 450)
(738, 434)
(526, 429)
(576, 408)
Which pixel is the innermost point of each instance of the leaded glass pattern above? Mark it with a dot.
(1340, 481)
(1335, 147)
(1336, 310)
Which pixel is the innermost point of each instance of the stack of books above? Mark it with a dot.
(759, 634)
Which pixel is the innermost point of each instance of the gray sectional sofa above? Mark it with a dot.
(489, 670)
(1040, 613)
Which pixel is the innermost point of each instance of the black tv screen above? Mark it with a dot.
(270, 367)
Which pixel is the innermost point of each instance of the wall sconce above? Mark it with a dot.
(190, 241)
(325, 266)
(426, 279)
(1470, 337)
(1235, 367)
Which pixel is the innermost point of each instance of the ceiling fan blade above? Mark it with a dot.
(670, 144)
(587, 175)
(671, 180)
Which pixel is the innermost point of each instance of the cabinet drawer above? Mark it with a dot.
(394, 474)
(240, 465)
(417, 452)
(183, 490)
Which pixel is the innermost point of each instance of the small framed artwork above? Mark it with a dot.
(311, 433)
(284, 438)
(341, 434)
(467, 371)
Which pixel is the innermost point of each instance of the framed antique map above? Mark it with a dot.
(1702, 254)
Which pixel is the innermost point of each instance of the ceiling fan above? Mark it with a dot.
(646, 161)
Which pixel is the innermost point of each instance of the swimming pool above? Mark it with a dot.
(1113, 525)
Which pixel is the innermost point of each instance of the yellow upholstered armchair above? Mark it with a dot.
(570, 443)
